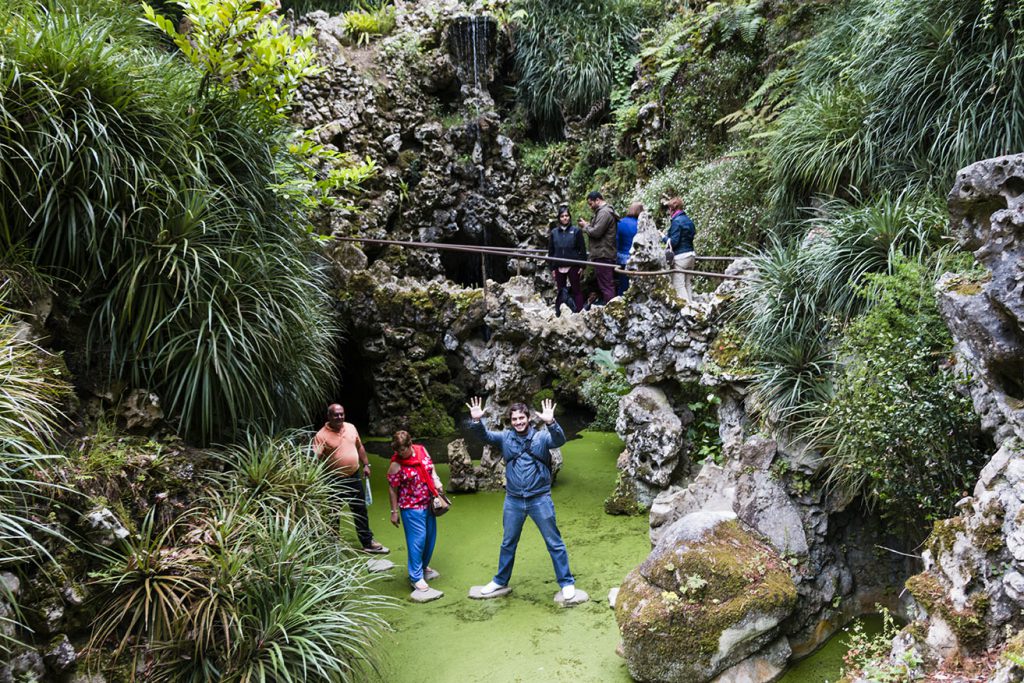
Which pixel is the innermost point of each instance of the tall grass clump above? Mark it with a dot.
(254, 584)
(154, 197)
(808, 290)
(900, 94)
(31, 396)
(569, 55)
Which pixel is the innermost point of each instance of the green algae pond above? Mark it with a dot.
(526, 636)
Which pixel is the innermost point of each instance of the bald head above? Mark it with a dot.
(335, 415)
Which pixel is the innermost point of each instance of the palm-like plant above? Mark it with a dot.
(901, 93)
(30, 407)
(254, 584)
(280, 473)
(198, 279)
(808, 289)
(151, 585)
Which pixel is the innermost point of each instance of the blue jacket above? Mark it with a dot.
(625, 232)
(681, 232)
(527, 458)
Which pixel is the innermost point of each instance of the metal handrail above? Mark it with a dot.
(514, 252)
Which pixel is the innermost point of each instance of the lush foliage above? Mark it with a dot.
(897, 429)
(723, 196)
(867, 657)
(602, 390)
(898, 92)
(256, 584)
(699, 67)
(569, 55)
(30, 407)
(364, 24)
(807, 290)
(242, 47)
(196, 275)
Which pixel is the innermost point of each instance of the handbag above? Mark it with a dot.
(439, 505)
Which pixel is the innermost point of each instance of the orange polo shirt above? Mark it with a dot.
(339, 447)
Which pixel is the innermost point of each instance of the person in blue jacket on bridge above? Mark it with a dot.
(527, 455)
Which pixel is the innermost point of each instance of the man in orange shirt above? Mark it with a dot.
(339, 444)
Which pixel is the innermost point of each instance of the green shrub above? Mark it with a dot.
(570, 54)
(867, 656)
(602, 390)
(807, 290)
(197, 277)
(242, 47)
(30, 411)
(898, 93)
(699, 66)
(362, 25)
(254, 584)
(897, 430)
(724, 197)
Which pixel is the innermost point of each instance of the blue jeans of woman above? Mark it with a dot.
(420, 535)
(541, 510)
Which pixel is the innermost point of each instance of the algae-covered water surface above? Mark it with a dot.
(524, 636)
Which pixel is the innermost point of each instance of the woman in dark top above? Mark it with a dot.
(566, 241)
(624, 233)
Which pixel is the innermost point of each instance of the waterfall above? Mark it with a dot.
(469, 44)
(472, 42)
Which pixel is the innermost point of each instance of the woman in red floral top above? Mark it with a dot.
(410, 467)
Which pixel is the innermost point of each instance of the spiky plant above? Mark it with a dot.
(567, 54)
(807, 290)
(280, 472)
(31, 393)
(898, 93)
(198, 280)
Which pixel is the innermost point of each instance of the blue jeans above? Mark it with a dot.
(420, 536)
(541, 510)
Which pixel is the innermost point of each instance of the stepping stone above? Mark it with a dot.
(425, 595)
(613, 595)
(379, 566)
(578, 599)
(475, 594)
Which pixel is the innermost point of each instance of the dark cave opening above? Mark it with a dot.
(468, 269)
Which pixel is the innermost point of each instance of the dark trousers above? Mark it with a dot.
(605, 278)
(575, 288)
(351, 491)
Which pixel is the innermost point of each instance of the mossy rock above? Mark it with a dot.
(708, 596)
(967, 624)
(623, 500)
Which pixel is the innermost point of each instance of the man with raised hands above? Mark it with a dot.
(527, 455)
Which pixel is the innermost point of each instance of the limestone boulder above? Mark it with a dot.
(655, 436)
(103, 526)
(460, 468)
(710, 595)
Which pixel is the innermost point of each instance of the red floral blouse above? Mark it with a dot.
(413, 494)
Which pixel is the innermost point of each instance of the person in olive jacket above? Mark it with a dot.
(602, 233)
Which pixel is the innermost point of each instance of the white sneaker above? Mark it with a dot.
(490, 588)
(568, 592)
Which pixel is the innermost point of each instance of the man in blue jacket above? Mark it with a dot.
(527, 455)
